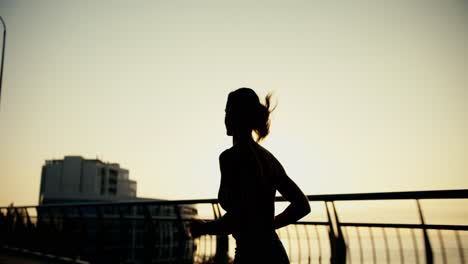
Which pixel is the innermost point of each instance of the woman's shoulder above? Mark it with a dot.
(228, 154)
(225, 154)
(237, 152)
(266, 153)
(271, 159)
(242, 152)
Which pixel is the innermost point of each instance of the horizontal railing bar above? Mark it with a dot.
(437, 194)
(416, 226)
(312, 223)
(116, 203)
(126, 217)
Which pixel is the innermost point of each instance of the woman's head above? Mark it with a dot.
(245, 113)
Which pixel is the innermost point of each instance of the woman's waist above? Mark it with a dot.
(257, 242)
(254, 234)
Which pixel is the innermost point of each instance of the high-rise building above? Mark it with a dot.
(75, 179)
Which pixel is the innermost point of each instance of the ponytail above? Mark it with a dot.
(262, 120)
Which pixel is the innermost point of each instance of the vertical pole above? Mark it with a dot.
(148, 235)
(3, 54)
(83, 234)
(182, 235)
(374, 255)
(340, 246)
(66, 239)
(387, 249)
(348, 242)
(400, 245)
(460, 247)
(133, 227)
(9, 224)
(331, 235)
(442, 246)
(123, 235)
(100, 236)
(361, 253)
(319, 245)
(3, 228)
(39, 228)
(427, 243)
(19, 228)
(413, 236)
(52, 232)
(308, 244)
(29, 229)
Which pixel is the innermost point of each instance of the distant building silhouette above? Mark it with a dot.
(75, 179)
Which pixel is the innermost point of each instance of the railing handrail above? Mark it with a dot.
(433, 194)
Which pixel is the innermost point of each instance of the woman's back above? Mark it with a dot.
(249, 179)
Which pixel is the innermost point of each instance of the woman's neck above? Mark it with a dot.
(242, 137)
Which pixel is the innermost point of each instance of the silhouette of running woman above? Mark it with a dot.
(250, 177)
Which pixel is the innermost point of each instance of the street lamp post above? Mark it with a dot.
(3, 55)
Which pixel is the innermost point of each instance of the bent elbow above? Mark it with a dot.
(306, 209)
(303, 209)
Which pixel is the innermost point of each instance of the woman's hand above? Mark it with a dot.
(220, 226)
(197, 228)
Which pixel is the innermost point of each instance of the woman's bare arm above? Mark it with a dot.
(219, 226)
(299, 204)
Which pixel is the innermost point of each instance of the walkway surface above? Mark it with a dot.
(12, 258)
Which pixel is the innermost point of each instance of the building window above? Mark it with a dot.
(112, 190)
(113, 173)
(112, 180)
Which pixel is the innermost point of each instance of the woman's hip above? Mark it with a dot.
(260, 249)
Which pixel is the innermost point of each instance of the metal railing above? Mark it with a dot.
(157, 231)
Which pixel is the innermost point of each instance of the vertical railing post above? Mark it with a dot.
(3, 54)
(83, 234)
(337, 243)
(340, 245)
(39, 227)
(3, 229)
(100, 236)
(65, 240)
(10, 223)
(331, 234)
(133, 232)
(29, 230)
(123, 235)
(51, 232)
(149, 234)
(460, 247)
(20, 229)
(427, 243)
(182, 235)
(21, 226)
(69, 236)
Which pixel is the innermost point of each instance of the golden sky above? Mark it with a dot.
(372, 95)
